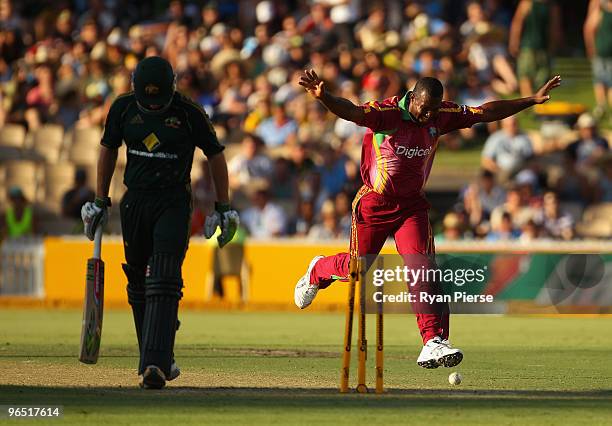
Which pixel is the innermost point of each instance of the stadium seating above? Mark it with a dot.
(24, 174)
(59, 178)
(12, 135)
(47, 142)
(85, 147)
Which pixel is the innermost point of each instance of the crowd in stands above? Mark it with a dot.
(293, 166)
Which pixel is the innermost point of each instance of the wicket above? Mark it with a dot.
(357, 272)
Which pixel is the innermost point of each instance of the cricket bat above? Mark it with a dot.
(93, 308)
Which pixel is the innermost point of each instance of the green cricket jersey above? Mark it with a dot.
(603, 37)
(159, 147)
(535, 28)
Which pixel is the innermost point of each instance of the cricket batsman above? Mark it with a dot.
(161, 129)
(396, 158)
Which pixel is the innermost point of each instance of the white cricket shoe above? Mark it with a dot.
(305, 292)
(437, 352)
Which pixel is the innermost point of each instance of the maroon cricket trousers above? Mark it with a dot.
(375, 217)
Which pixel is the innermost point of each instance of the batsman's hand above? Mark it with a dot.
(224, 217)
(312, 83)
(94, 214)
(542, 95)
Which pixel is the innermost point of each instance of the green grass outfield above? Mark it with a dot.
(283, 368)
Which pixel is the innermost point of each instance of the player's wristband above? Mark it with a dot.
(102, 202)
(222, 207)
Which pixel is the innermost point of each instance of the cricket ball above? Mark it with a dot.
(455, 378)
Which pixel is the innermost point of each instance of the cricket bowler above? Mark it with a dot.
(161, 129)
(396, 158)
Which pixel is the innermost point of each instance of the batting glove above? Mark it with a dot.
(224, 217)
(94, 214)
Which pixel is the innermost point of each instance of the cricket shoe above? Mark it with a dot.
(437, 352)
(305, 292)
(153, 378)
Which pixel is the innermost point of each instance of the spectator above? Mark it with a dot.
(301, 163)
(371, 33)
(475, 17)
(257, 114)
(604, 189)
(499, 12)
(65, 65)
(316, 127)
(327, 228)
(41, 99)
(74, 198)
(507, 149)
(534, 36)
(318, 29)
(480, 199)
(305, 218)
(504, 230)
(557, 224)
(598, 43)
(210, 16)
(332, 173)
(475, 92)
(423, 30)
(517, 207)
(344, 15)
(250, 163)
(573, 186)
(284, 180)
(529, 232)
(19, 218)
(343, 212)
(487, 56)
(485, 51)
(452, 229)
(378, 80)
(590, 146)
(528, 186)
(276, 130)
(264, 219)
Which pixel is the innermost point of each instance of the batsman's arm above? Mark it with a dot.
(218, 171)
(106, 168)
(224, 216)
(206, 139)
(498, 110)
(112, 138)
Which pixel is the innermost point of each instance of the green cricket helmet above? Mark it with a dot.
(154, 83)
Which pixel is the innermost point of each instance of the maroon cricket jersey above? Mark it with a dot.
(398, 152)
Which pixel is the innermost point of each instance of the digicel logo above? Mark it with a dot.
(412, 152)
